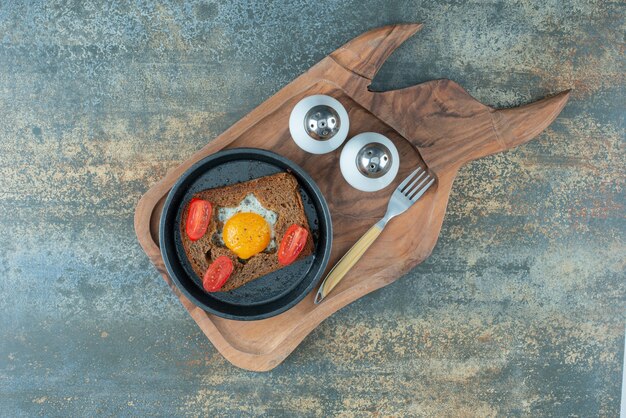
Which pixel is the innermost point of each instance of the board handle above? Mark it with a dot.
(354, 254)
(518, 125)
(513, 127)
(450, 128)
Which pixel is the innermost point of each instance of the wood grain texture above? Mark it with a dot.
(435, 124)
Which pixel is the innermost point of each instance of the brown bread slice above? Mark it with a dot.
(278, 193)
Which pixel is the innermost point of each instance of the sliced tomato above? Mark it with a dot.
(218, 272)
(198, 218)
(292, 244)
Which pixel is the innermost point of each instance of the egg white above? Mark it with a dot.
(252, 205)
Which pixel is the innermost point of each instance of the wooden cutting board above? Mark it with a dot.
(436, 124)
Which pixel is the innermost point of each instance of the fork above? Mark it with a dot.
(402, 199)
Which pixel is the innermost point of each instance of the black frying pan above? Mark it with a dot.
(271, 294)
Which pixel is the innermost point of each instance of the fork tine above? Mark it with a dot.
(410, 192)
(408, 189)
(422, 191)
(408, 178)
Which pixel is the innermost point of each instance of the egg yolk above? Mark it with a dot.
(246, 234)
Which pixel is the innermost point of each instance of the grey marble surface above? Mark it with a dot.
(519, 311)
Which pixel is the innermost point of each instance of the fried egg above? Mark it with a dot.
(248, 228)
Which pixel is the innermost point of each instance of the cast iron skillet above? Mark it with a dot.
(270, 294)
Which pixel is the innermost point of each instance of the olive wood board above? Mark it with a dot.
(436, 124)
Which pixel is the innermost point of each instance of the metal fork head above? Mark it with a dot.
(408, 192)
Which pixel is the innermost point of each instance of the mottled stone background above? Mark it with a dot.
(520, 310)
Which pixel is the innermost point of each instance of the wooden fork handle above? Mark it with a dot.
(344, 265)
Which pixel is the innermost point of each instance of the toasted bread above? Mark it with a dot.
(278, 193)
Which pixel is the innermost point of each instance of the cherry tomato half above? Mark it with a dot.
(292, 244)
(198, 218)
(216, 275)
